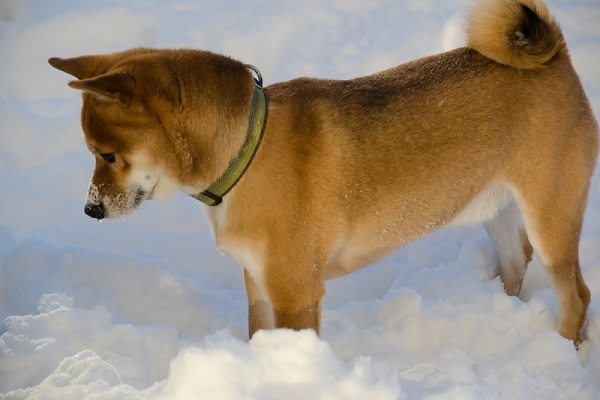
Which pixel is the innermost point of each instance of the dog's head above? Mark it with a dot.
(148, 135)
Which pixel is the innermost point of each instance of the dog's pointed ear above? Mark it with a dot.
(118, 87)
(80, 67)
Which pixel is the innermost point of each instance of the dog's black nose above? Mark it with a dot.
(95, 211)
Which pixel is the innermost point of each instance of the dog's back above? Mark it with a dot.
(485, 116)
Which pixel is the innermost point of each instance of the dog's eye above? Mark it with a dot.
(108, 158)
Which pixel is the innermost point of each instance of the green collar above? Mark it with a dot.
(213, 196)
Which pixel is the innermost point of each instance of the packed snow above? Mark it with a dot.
(147, 308)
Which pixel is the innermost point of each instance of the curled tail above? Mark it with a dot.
(518, 33)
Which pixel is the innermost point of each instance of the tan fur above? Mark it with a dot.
(503, 31)
(348, 171)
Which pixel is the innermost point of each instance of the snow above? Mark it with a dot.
(147, 308)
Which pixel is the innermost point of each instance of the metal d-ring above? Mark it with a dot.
(258, 79)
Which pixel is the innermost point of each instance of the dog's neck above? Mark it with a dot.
(213, 196)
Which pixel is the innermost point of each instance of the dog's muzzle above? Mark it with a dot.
(95, 211)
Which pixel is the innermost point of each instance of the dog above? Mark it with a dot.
(311, 179)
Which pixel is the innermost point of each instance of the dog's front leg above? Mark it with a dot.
(260, 311)
(283, 303)
(295, 292)
(299, 316)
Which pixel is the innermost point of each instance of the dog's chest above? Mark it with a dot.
(248, 251)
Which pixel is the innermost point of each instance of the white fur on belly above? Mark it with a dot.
(485, 206)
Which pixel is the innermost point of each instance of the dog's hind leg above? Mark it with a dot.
(553, 215)
(514, 250)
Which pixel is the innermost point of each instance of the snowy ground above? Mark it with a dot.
(147, 308)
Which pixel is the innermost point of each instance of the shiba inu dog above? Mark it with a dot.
(311, 179)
